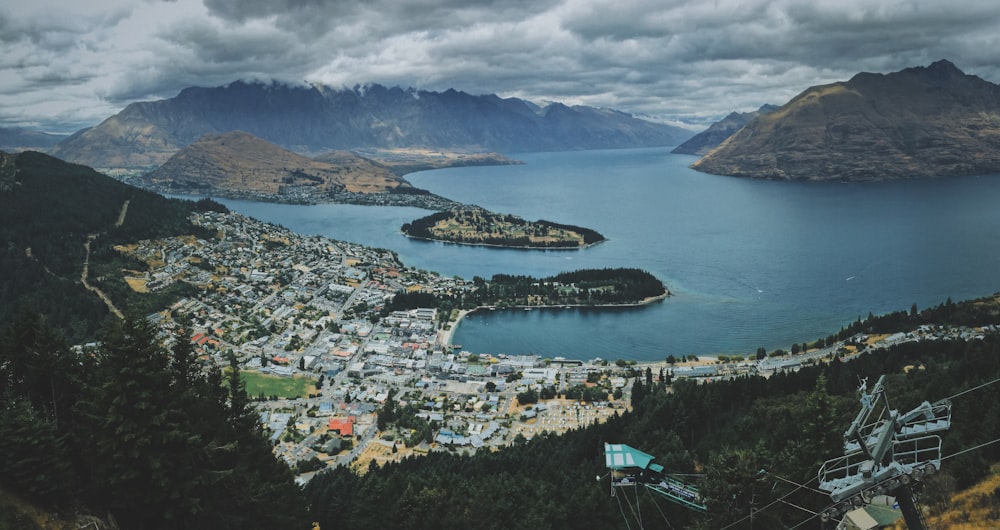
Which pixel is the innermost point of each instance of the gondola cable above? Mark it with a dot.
(974, 388)
(963, 451)
(622, 510)
(660, 510)
(769, 505)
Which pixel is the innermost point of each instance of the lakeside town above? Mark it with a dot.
(341, 381)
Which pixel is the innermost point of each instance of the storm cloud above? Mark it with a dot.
(65, 65)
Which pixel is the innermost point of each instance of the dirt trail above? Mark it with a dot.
(86, 266)
(121, 215)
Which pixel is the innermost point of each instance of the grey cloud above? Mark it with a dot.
(377, 19)
(674, 59)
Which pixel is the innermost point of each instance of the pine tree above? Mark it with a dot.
(241, 415)
(134, 434)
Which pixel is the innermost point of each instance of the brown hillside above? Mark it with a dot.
(240, 164)
(926, 121)
(127, 139)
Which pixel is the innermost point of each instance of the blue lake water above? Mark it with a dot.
(751, 263)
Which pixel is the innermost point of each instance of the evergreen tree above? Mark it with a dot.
(241, 415)
(638, 392)
(165, 447)
(144, 446)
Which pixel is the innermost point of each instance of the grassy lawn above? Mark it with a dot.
(272, 385)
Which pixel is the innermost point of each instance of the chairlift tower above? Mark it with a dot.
(884, 452)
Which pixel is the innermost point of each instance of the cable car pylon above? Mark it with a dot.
(884, 452)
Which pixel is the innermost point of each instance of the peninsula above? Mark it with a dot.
(473, 225)
(933, 121)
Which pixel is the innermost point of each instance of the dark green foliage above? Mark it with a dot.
(134, 430)
(420, 228)
(590, 236)
(582, 287)
(44, 223)
(527, 397)
(406, 300)
(486, 223)
(34, 459)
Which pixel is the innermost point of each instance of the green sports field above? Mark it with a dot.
(272, 385)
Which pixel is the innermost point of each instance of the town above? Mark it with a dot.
(341, 381)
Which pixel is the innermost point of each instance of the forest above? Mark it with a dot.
(45, 219)
(479, 227)
(587, 287)
(134, 432)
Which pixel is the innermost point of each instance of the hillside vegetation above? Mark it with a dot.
(476, 226)
(48, 211)
(135, 433)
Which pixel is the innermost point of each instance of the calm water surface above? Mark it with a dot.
(750, 263)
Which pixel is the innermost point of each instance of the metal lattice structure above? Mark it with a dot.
(884, 451)
(631, 467)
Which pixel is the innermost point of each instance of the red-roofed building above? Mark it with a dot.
(345, 426)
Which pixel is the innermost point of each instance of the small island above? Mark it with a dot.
(580, 288)
(476, 226)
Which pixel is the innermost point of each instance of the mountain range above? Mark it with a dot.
(312, 119)
(918, 122)
(705, 141)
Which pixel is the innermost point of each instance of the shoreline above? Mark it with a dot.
(445, 336)
(493, 245)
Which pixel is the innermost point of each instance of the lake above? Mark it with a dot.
(750, 263)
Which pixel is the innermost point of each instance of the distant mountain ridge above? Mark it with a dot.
(705, 141)
(918, 122)
(17, 139)
(315, 118)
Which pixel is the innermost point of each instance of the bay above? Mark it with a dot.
(750, 263)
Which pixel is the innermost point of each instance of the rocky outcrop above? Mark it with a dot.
(918, 122)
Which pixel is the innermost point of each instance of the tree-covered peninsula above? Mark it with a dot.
(585, 287)
(476, 226)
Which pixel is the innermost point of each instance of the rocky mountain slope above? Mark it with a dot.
(918, 122)
(314, 118)
(705, 141)
(238, 164)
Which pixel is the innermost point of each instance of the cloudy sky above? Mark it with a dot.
(66, 64)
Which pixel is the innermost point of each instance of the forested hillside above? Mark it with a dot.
(135, 433)
(48, 210)
(726, 432)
